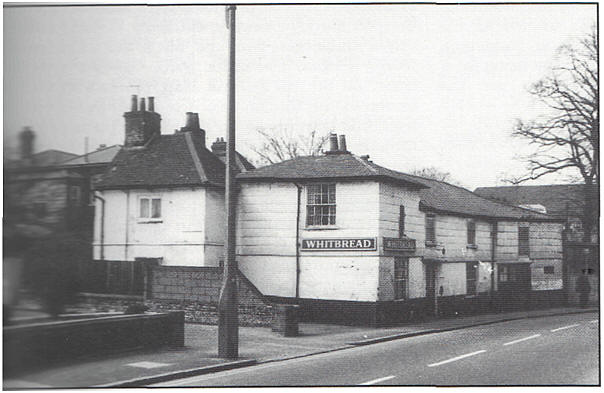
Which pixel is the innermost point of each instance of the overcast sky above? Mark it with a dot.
(410, 85)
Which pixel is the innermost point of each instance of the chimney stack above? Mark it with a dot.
(134, 106)
(219, 147)
(141, 126)
(26, 143)
(151, 104)
(192, 125)
(333, 143)
(343, 144)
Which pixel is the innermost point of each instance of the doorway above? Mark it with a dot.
(514, 285)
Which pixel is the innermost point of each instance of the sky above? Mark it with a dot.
(411, 85)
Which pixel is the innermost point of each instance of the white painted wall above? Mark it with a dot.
(179, 237)
(267, 242)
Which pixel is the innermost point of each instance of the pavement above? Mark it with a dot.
(256, 345)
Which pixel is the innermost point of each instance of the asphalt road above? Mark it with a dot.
(558, 350)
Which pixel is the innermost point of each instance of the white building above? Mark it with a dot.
(350, 240)
(161, 200)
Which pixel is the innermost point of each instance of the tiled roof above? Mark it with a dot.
(435, 195)
(179, 159)
(100, 156)
(43, 159)
(329, 166)
(553, 197)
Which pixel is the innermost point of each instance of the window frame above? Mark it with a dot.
(524, 246)
(471, 277)
(471, 233)
(430, 218)
(330, 205)
(400, 282)
(75, 198)
(149, 209)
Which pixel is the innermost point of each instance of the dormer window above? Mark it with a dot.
(321, 205)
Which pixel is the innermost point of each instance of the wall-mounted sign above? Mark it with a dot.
(399, 244)
(361, 244)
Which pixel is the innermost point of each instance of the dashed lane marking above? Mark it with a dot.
(564, 327)
(456, 358)
(148, 364)
(594, 321)
(373, 382)
(523, 339)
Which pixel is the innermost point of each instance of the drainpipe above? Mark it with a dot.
(102, 225)
(299, 188)
(493, 254)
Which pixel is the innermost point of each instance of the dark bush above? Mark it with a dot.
(51, 269)
(136, 308)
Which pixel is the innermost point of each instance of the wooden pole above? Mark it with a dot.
(228, 329)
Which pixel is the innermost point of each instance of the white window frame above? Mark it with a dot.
(149, 209)
(328, 204)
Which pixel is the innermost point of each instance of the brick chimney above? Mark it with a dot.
(141, 124)
(219, 147)
(26, 143)
(192, 125)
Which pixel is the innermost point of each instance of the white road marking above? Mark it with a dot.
(373, 382)
(564, 327)
(148, 364)
(523, 339)
(594, 321)
(456, 358)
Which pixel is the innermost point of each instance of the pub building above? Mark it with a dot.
(352, 242)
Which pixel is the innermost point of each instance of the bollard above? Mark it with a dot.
(285, 319)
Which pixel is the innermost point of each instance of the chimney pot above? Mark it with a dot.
(143, 107)
(151, 104)
(219, 147)
(333, 142)
(134, 106)
(192, 121)
(343, 143)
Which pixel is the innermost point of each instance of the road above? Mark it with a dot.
(558, 350)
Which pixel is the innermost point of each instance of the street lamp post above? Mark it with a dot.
(228, 333)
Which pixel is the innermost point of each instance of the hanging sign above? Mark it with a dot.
(399, 244)
(360, 244)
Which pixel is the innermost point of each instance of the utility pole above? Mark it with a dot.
(228, 329)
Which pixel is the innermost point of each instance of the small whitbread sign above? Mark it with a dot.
(361, 244)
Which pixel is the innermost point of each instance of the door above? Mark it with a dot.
(514, 285)
(430, 287)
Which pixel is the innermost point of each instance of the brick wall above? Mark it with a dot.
(195, 290)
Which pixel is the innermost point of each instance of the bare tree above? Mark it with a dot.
(567, 137)
(435, 173)
(281, 145)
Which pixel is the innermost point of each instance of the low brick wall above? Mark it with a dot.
(35, 345)
(194, 290)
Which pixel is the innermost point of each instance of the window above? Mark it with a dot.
(523, 241)
(430, 229)
(471, 275)
(321, 204)
(74, 194)
(471, 233)
(401, 221)
(548, 270)
(503, 273)
(401, 275)
(150, 208)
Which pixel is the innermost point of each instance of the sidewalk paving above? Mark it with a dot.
(256, 344)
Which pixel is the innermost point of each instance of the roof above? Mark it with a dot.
(329, 166)
(553, 197)
(435, 195)
(100, 156)
(176, 160)
(43, 159)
